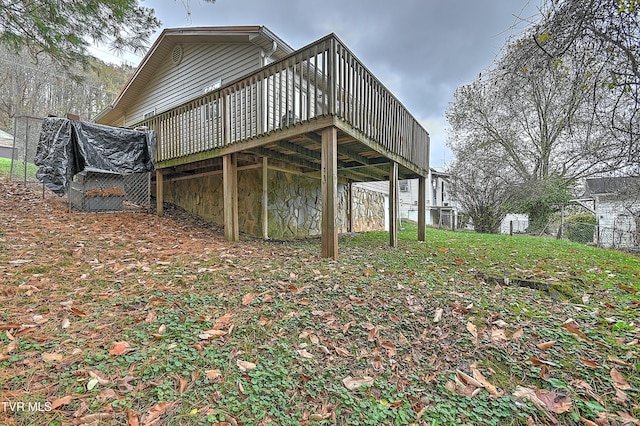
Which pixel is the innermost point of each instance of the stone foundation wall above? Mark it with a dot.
(295, 203)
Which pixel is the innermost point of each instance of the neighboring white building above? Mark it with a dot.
(6, 144)
(441, 209)
(514, 223)
(616, 205)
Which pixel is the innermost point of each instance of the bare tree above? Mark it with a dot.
(603, 36)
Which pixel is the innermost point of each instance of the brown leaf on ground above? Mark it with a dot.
(484, 382)
(556, 401)
(627, 419)
(61, 401)
(390, 347)
(52, 357)
(589, 363)
(573, 328)
(619, 381)
(222, 322)
(471, 328)
(132, 418)
(213, 374)
(155, 413)
(245, 365)
(546, 345)
(248, 298)
(517, 334)
(120, 348)
(352, 383)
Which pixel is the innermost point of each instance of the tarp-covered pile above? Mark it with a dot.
(67, 147)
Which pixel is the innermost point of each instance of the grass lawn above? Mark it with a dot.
(134, 319)
(5, 168)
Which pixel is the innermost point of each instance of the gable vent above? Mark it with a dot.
(176, 55)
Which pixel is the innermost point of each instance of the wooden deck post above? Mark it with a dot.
(265, 198)
(329, 186)
(159, 193)
(230, 196)
(393, 204)
(422, 208)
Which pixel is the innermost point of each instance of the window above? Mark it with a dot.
(404, 186)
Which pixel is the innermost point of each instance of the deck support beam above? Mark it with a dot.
(159, 193)
(393, 204)
(230, 196)
(265, 198)
(329, 186)
(422, 208)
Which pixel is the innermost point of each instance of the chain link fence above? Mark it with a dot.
(91, 190)
(623, 235)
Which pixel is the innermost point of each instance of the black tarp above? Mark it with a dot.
(67, 147)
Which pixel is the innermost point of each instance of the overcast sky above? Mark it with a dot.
(422, 50)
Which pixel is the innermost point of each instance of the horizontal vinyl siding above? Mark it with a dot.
(201, 66)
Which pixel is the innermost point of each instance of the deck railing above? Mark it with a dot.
(322, 79)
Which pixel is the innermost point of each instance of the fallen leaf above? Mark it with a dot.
(107, 394)
(77, 311)
(471, 328)
(52, 357)
(96, 418)
(66, 323)
(61, 401)
(11, 347)
(248, 298)
(465, 379)
(352, 383)
(343, 352)
(213, 374)
(586, 422)
(222, 322)
(589, 363)
(92, 384)
(245, 365)
(498, 334)
(484, 382)
(347, 326)
(627, 418)
(546, 345)
(555, 401)
(373, 334)
(132, 418)
(212, 334)
(99, 377)
(573, 328)
(619, 381)
(156, 412)
(618, 361)
(305, 354)
(119, 348)
(182, 384)
(517, 334)
(390, 347)
(500, 323)
(437, 316)
(528, 394)
(123, 383)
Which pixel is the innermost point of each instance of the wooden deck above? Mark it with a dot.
(319, 112)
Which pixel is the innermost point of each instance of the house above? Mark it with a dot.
(6, 144)
(269, 140)
(615, 201)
